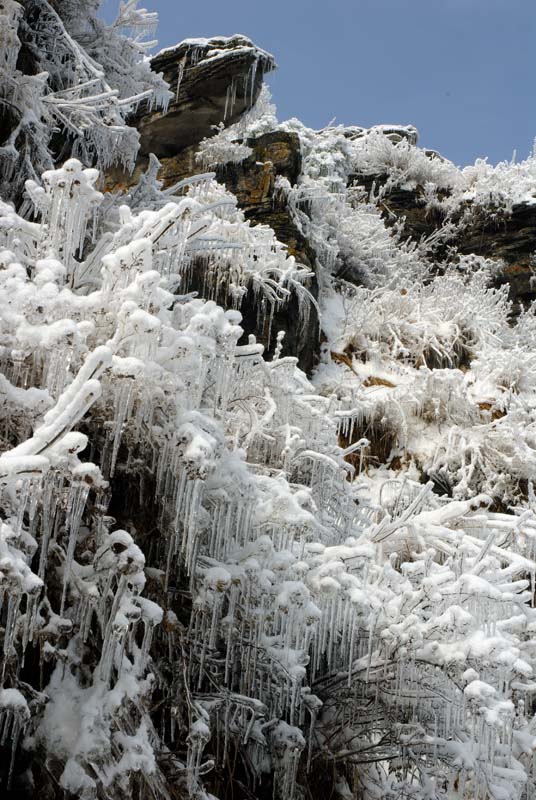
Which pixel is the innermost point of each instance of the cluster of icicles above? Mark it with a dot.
(321, 627)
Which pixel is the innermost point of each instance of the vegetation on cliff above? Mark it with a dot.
(219, 575)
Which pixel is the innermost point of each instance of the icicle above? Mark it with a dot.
(110, 639)
(122, 406)
(76, 503)
(13, 605)
(182, 64)
(198, 737)
(14, 716)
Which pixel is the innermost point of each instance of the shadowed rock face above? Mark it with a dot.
(213, 81)
(401, 203)
(511, 238)
(508, 237)
(277, 154)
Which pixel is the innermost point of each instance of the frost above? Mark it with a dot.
(213, 569)
(229, 145)
(85, 78)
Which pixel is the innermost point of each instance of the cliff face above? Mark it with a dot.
(267, 586)
(214, 83)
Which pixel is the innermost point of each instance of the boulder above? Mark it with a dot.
(213, 81)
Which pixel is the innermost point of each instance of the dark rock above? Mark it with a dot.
(253, 182)
(397, 204)
(276, 153)
(510, 237)
(212, 80)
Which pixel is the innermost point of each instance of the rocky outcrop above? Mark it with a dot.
(509, 237)
(213, 81)
(398, 203)
(253, 182)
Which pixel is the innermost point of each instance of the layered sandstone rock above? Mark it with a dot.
(213, 81)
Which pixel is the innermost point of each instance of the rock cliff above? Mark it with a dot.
(214, 83)
(262, 585)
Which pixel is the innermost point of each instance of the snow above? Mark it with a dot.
(235, 42)
(335, 571)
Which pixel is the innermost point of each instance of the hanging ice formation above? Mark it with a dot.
(213, 570)
(293, 582)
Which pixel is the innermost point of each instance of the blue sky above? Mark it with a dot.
(462, 71)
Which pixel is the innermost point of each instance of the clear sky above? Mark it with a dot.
(462, 71)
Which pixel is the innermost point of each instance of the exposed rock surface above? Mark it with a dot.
(511, 238)
(213, 81)
(400, 203)
(508, 237)
(253, 181)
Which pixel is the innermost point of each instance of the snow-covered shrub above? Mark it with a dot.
(150, 366)
(84, 79)
(501, 186)
(439, 323)
(402, 163)
(223, 148)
